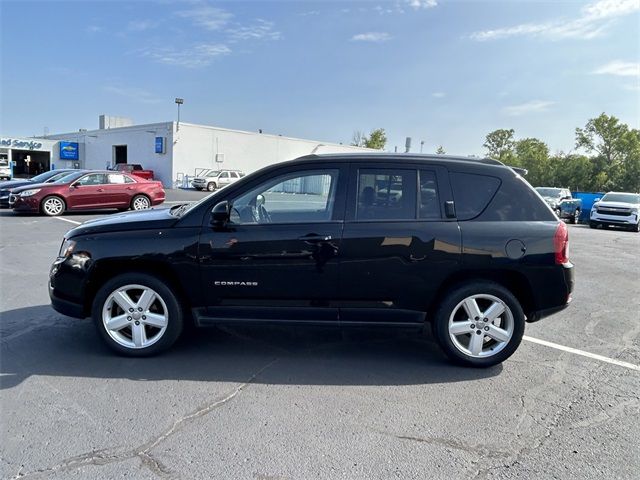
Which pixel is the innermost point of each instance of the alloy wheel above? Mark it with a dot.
(53, 206)
(135, 316)
(481, 325)
(141, 203)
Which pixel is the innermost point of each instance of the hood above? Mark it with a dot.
(551, 200)
(30, 186)
(15, 183)
(615, 204)
(140, 220)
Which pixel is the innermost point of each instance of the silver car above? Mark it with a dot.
(214, 179)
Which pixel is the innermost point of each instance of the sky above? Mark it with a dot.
(443, 72)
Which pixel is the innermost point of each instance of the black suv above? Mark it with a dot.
(347, 240)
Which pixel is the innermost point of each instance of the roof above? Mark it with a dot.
(415, 157)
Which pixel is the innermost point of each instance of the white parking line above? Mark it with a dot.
(594, 356)
(67, 220)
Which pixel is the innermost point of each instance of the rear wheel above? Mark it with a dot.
(53, 206)
(211, 186)
(479, 324)
(137, 314)
(140, 202)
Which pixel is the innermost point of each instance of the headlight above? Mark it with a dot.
(66, 248)
(28, 193)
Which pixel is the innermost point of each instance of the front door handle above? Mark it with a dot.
(100, 190)
(313, 238)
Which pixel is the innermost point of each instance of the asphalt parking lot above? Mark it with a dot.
(273, 403)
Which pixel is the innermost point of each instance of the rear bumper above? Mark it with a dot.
(565, 291)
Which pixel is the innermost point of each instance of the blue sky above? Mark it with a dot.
(443, 71)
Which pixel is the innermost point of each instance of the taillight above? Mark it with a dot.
(561, 244)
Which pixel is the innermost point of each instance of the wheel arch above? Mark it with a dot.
(104, 270)
(516, 282)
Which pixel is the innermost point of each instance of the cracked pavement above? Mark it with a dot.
(271, 403)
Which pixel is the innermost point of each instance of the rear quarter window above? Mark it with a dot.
(472, 193)
(517, 201)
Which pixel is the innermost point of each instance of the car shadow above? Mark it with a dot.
(39, 341)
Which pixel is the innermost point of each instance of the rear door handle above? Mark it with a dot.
(313, 238)
(100, 190)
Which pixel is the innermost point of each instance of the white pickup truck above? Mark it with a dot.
(616, 209)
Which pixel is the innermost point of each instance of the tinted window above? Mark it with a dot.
(386, 194)
(233, 174)
(472, 193)
(93, 179)
(301, 197)
(517, 201)
(428, 194)
(621, 197)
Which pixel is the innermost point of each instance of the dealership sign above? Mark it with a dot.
(160, 145)
(68, 151)
(18, 143)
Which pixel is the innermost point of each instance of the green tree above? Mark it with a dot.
(377, 139)
(604, 135)
(572, 171)
(500, 144)
(440, 150)
(533, 154)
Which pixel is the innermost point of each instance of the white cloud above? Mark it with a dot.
(594, 19)
(137, 94)
(141, 25)
(534, 106)
(438, 94)
(206, 16)
(93, 29)
(619, 68)
(262, 30)
(371, 37)
(418, 4)
(200, 55)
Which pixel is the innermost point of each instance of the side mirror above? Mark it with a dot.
(74, 185)
(260, 200)
(220, 213)
(596, 200)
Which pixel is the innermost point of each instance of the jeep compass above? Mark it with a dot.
(348, 240)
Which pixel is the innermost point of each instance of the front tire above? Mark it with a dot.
(479, 324)
(137, 315)
(53, 206)
(211, 186)
(575, 218)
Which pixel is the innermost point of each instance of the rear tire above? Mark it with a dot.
(154, 332)
(53, 206)
(211, 186)
(140, 202)
(495, 315)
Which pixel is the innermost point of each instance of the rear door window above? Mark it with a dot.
(386, 194)
(429, 204)
(472, 193)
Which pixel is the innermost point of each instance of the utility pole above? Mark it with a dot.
(179, 101)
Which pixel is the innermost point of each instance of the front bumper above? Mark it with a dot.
(622, 220)
(65, 307)
(24, 204)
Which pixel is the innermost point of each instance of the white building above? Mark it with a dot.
(174, 151)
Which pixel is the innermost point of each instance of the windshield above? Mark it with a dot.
(209, 173)
(621, 197)
(549, 192)
(70, 177)
(43, 177)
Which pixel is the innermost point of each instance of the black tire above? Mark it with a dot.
(440, 322)
(44, 208)
(211, 186)
(140, 197)
(174, 313)
(593, 225)
(199, 188)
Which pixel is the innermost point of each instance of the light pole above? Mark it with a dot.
(179, 101)
(421, 145)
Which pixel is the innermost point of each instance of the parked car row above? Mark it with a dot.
(55, 192)
(562, 203)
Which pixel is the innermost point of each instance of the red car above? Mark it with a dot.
(88, 191)
(134, 169)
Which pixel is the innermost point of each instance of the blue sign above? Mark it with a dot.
(159, 144)
(69, 151)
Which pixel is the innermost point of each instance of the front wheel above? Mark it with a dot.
(211, 186)
(53, 206)
(479, 324)
(575, 218)
(137, 314)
